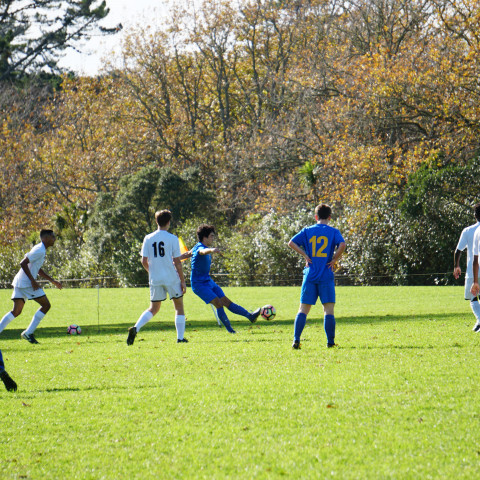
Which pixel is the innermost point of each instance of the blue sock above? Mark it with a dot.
(224, 319)
(300, 321)
(2, 365)
(239, 310)
(329, 325)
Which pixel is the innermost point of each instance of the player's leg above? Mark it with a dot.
(211, 293)
(217, 303)
(180, 319)
(475, 306)
(474, 303)
(18, 304)
(10, 385)
(299, 324)
(144, 318)
(157, 296)
(329, 323)
(327, 297)
(308, 297)
(239, 310)
(44, 303)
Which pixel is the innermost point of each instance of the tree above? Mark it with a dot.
(120, 221)
(33, 33)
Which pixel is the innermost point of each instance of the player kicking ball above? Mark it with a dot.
(322, 246)
(26, 287)
(161, 258)
(203, 285)
(10, 385)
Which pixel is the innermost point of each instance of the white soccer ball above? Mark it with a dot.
(74, 329)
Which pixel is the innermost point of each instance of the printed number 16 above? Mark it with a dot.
(161, 250)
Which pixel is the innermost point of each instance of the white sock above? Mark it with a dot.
(7, 318)
(476, 309)
(37, 318)
(145, 317)
(180, 326)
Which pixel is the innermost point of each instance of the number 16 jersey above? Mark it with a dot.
(160, 248)
(319, 243)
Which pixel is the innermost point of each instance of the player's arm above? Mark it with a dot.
(336, 256)
(300, 251)
(185, 255)
(177, 263)
(208, 251)
(457, 271)
(145, 263)
(475, 289)
(24, 265)
(44, 275)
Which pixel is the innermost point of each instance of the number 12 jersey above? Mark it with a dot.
(319, 243)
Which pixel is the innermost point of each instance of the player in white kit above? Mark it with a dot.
(467, 241)
(26, 287)
(161, 258)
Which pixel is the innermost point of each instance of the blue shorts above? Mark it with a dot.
(207, 291)
(311, 291)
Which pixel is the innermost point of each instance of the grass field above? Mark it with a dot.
(397, 399)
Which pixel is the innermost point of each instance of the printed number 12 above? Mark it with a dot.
(322, 245)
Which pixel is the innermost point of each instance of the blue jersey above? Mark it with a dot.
(200, 264)
(319, 243)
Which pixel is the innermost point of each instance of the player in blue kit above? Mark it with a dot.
(205, 287)
(10, 385)
(322, 246)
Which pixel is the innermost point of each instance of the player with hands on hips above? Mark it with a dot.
(321, 246)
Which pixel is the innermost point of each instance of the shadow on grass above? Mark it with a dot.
(378, 319)
(122, 328)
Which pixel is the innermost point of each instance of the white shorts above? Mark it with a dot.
(468, 285)
(158, 293)
(27, 293)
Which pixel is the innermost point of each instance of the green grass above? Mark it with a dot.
(397, 399)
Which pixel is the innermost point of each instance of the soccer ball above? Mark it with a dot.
(268, 312)
(74, 330)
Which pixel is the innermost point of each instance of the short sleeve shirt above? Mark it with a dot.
(160, 248)
(36, 257)
(467, 241)
(319, 243)
(200, 265)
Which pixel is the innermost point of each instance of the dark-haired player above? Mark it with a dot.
(26, 287)
(161, 258)
(205, 287)
(322, 246)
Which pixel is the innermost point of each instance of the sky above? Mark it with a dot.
(127, 12)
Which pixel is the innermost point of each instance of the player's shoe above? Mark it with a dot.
(331, 345)
(10, 384)
(296, 345)
(476, 327)
(29, 337)
(183, 340)
(254, 315)
(132, 333)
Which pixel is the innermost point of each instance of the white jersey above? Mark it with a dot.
(476, 242)
(160, 248)
(467, 241)
(36, 257)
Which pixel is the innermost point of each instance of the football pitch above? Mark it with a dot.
(397, 399)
